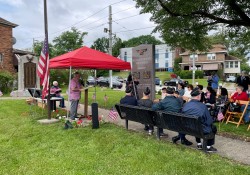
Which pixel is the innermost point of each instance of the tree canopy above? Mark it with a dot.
(68, 41)
(184, 23)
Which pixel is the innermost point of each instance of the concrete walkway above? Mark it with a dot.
(233, 149)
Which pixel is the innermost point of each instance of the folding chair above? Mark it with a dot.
(233, 116)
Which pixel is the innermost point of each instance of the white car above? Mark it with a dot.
(231, 78)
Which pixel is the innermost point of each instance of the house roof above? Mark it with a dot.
(22, 52)
(7, 23)
(231, 58)
(216, 48)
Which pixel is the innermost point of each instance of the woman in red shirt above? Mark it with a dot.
(239, 94)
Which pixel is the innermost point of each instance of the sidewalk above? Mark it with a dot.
(230, 148)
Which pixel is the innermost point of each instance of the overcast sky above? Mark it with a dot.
(86, 15)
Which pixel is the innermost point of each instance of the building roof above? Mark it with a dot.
(22, 52)
(7, 23)
(216, 48)
(231, 58)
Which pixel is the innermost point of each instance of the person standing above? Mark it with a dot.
(215, 81)
(196, 108)
(146, 102)
(243, 80)
(75, 94)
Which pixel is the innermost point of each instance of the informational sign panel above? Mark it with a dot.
(143, 68)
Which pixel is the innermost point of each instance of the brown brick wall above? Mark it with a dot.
(203, 58)
(6, 48)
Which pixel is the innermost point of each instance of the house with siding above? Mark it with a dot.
(217, 58)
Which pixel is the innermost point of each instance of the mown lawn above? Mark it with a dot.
(31, 148)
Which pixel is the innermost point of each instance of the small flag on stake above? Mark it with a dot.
(113, 114)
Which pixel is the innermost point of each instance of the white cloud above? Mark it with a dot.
(62, 14)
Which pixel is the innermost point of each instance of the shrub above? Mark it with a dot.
(6, 81)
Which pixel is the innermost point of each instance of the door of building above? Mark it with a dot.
(29, 75)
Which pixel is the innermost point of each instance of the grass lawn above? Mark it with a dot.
(31, 148)
(233, 130)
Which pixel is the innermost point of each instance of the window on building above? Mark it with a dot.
(166, 55)
(166, 65)
(193, 56)
(227, 64)
(156, 65)
(156, 56)
(231, 63)
(211, 56)
(236, 64)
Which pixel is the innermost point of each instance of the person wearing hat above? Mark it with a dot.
(57, 92)
(129, 99)
(168, 104)
(195, 108)
(243, 81)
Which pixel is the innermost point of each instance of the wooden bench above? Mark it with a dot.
(190, 125)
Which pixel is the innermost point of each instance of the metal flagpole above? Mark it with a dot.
(46, 36)
(68, 108)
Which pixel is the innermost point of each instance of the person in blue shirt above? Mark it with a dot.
(129, 99)
(196, 108)
(215, 81)
(168, 104)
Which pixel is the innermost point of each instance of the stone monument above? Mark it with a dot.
(143, 68)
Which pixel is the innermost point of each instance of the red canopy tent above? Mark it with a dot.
(87, 58)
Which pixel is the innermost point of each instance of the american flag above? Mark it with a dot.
(113, 114)
(220, 116)
(93, 96)
(1, 94)
(43, 68)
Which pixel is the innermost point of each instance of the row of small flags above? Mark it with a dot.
(105, 97)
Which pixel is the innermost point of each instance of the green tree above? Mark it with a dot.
(68, 41)
(38, 48)
(184, 23)
(143, 39)
(101, 44)
(177, 67)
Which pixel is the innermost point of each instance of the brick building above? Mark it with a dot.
(6, 45)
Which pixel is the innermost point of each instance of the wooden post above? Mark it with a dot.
(86, 102)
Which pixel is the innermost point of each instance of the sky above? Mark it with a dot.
(86, 15)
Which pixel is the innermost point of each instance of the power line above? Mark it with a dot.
(135, 29)
(126, 17)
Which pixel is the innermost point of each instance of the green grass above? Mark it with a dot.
(232, 129)
(31, 148)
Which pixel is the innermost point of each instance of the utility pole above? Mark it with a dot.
(110, 44)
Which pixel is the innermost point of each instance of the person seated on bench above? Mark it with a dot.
(129, 99)
(168, 104)
(146, 102)
(57, 92)
(196, 108)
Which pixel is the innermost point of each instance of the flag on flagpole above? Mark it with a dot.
(43, 68)
(113, 114)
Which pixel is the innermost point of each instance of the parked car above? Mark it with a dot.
(90, 80)
(157, 81)
(173, 81)
(118, 78)
(231, 78)
(104, 82)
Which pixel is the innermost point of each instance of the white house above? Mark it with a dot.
(164, 56)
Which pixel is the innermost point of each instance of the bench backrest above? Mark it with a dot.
(180, 123)
(137, 114)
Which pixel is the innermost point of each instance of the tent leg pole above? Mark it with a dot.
(69, 93)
